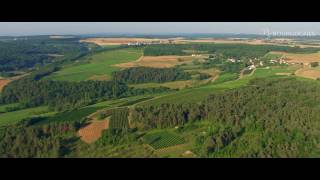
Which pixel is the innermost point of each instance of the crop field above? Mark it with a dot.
(3, 108)
(163, 139)
(16, 116)
(69, 115)
(93, 131)
(181, 151)
(280, 41)
(87, 111)
(119, 118)
(224, 82)
(98, 66)
(172, 85)
(224, 77)
(118, 41)
(157, 61)
(307, 72)
(299, 58)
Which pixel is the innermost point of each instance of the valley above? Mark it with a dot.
(173, 97)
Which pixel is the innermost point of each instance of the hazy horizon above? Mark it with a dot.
(78, 28)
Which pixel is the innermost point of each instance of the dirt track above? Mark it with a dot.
(157, 61)
(4, 82)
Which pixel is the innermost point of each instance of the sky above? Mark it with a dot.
(75, 28)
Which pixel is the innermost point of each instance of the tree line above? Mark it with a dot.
(27, 54)
(281, 114)
(145, 74)
(50, 141)
(229, 50)
(60, 95)
(32, 91)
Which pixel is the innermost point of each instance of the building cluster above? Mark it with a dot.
(280, 61)
(233, 60)
(149, 42)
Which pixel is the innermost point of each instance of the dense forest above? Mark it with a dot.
(281, 114)
(25, 141)
(146, 74)
(224, 65)
(269, 117)
(60, 95)
(32, 91)
(229, 50)
(26, 54)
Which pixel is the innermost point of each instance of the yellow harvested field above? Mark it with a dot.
(172, 85)
(280, 41)
(226, 41)
(179, 84)
(299, 58)
(93, 131)
(99, 78)
(213, 71)
(179, 40)
(308, 73)
(283, 74)
(157, 61)
(118, 41)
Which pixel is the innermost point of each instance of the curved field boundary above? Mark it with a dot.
(3, 83)
(93, 131)
(308, 73)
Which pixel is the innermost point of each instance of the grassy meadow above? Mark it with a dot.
(16, 116)
(98, 66)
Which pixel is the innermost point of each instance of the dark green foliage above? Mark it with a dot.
(165, 115)
(145, 75)
(282, 116)
(163, 139)
(117, 137)
(203, 76)
(229, 50)
(45, 71)
(129, 103)
(222, 64)
(145, 91)
(73, 115)
(58, 94)
(119, 119)
(26, 54)
(11, 108)
(101, 116)
(232, 67)
(314, 64)
(24, 141)
(162, 50)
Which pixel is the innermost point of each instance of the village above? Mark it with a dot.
(143, 43)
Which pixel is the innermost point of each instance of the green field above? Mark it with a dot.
(78, 114)
(197, 94)
(16, 116)
(271, 55)
(97, 66)
(3, 108)
(163, 139)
